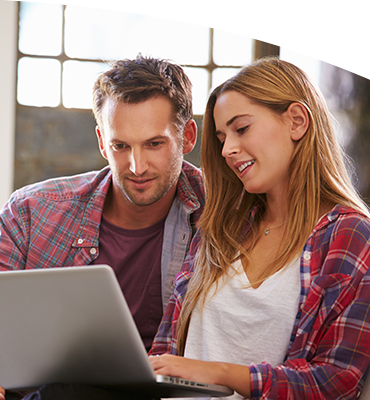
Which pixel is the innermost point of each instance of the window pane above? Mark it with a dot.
(231, 49)
(105, 35)
(78, 81)
(220, 75)
(199, 79)
(40, 28)
(38, 82)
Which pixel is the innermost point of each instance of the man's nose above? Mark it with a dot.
(138, 162)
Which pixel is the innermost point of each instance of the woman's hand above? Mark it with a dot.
(2, 393)
(186, 368)
(232, 375)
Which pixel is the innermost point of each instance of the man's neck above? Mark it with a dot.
(123, 213)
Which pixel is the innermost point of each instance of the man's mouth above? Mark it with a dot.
(245, 165)
(139, 181)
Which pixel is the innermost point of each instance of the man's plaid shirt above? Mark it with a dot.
(56, 223)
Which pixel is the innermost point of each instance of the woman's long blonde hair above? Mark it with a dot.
(318, 175)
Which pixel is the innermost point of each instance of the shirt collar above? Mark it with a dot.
(185, 192)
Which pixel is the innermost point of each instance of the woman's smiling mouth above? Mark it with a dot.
(245, 165)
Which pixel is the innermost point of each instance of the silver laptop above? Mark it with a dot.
(73, 325)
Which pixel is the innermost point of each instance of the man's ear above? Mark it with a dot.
(299, 120)
(190, 136)
(100, 136)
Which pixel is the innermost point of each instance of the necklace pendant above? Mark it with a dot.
(267, 231)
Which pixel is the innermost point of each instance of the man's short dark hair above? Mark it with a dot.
(134, 81)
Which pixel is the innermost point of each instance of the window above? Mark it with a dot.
(62, 49)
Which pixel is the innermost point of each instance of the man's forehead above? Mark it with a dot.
(146, 120)
(111, 103)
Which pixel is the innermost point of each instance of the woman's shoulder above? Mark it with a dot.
(346, 218)
(342, 230)
(341, 243)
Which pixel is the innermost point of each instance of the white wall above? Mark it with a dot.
(8, 53)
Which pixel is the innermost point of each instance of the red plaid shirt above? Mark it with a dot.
(56, 223)
(329, 349)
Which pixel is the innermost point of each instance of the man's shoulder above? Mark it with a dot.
(190, 186)
(191, 170)
(64, 188)
(192, 174)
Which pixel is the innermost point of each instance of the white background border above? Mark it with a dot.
(334, 31)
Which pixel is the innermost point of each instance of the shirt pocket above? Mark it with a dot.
(328, 296)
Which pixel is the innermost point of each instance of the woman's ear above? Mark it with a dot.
(299, 120)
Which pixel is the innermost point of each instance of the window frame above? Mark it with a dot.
(63, 57)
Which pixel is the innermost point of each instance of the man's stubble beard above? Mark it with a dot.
(163, 186)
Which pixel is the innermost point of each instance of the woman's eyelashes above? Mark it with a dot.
(222, 136)
(242, 130)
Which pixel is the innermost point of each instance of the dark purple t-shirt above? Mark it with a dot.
(135, 256)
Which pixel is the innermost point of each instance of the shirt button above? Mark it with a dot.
(307, 256)
(93, 251)
(80, 241)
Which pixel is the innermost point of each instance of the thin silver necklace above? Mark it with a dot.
(267, 230)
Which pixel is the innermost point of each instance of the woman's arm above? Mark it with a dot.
(234, 376)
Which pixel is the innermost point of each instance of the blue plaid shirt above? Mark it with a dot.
(329, 350)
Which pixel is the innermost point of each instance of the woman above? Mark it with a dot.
(278, 306)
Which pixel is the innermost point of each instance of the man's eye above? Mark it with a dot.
(155, 144)
(117, 146)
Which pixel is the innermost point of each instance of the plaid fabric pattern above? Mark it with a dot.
(56, 223)
(329, 350)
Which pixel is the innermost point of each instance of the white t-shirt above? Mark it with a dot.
(243, 325)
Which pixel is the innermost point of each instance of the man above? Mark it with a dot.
(139, 213)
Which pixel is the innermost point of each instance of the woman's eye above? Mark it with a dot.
(221, 138)
(242, 130)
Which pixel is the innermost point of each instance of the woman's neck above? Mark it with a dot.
(276, 211)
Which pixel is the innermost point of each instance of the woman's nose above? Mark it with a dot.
(230, 146)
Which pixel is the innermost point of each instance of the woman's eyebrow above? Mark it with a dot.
(230, 121)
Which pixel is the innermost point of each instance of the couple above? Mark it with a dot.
(278, 302)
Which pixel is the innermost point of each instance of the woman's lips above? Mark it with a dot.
(241, 166)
